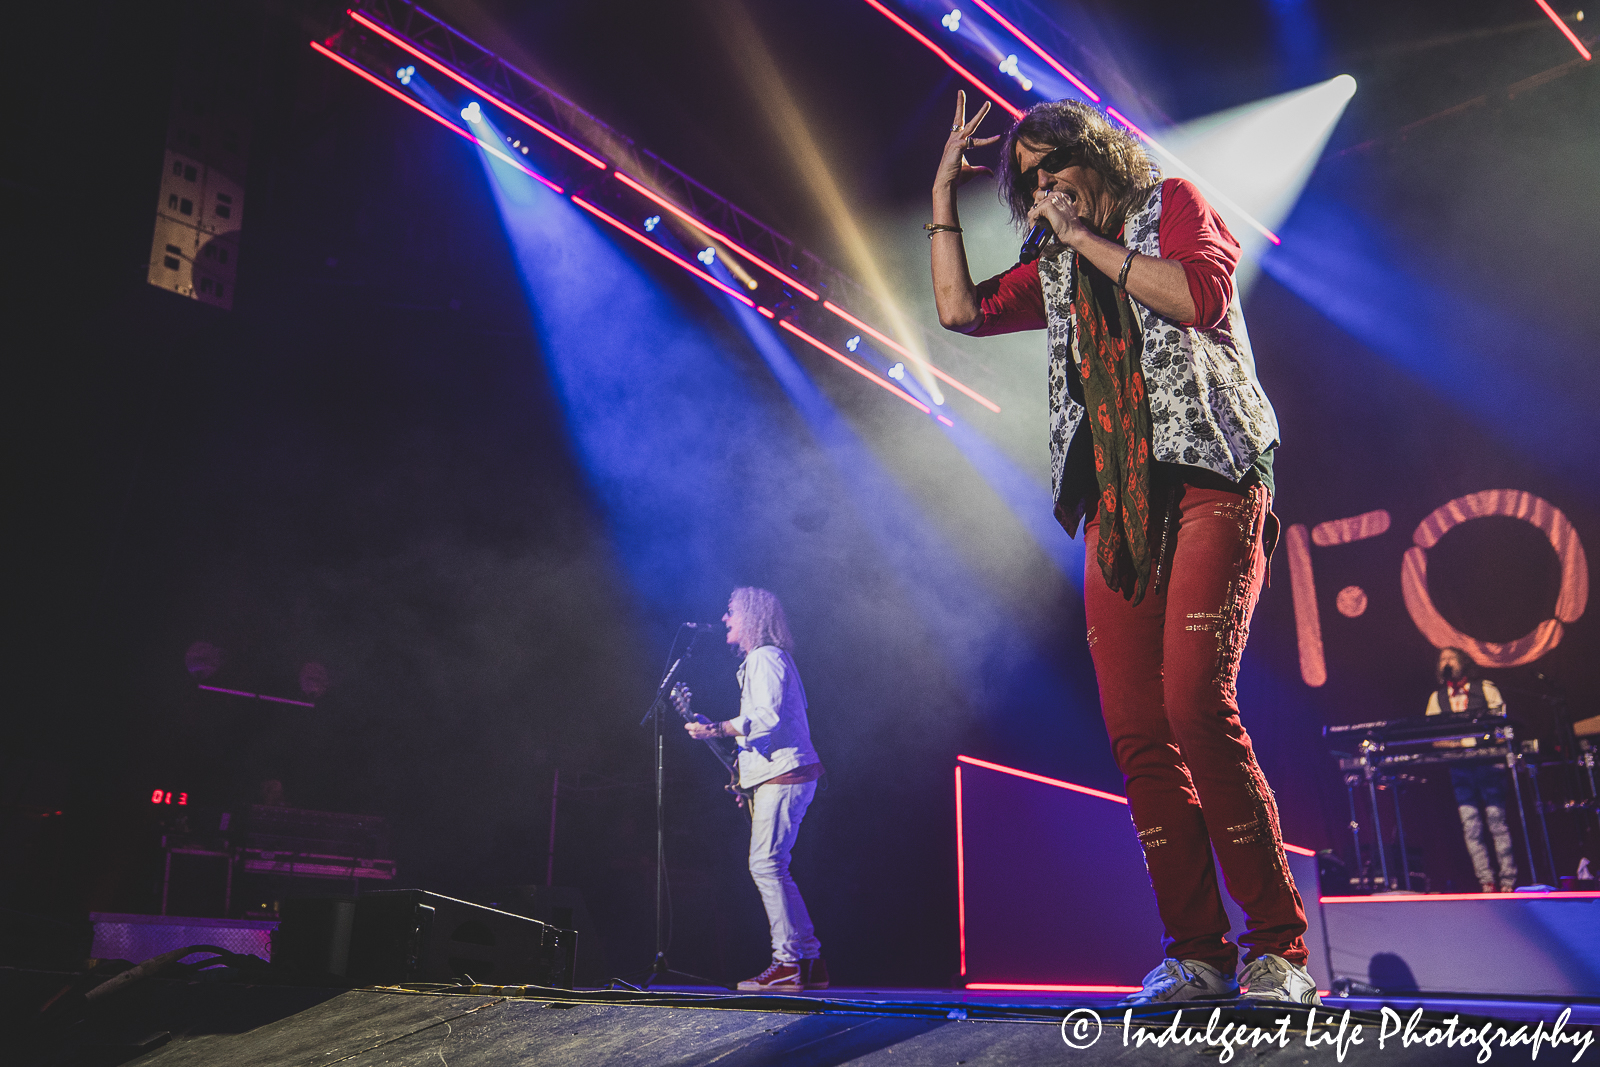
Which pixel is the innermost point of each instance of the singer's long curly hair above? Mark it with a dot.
(764, 620)
(1103, 147)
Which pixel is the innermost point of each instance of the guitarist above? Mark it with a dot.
(777, 762)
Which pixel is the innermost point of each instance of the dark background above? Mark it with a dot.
(369, 463)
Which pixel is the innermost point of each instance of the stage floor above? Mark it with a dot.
(1585, 1012)
(163, 1023)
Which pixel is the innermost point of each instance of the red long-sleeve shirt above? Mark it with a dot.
(1191, 233)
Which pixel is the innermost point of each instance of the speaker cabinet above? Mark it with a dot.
(411, 935)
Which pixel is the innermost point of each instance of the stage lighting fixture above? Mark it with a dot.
(904, 351)
(651, 223)
(1027, 41)
(1565, 30)
(663, 250)
(493, 150)
(854, 343)
(471, 113)
(897, 372)
(707, 256)
(1009, 66)
(853, 365)
(404, 74)
(408, 48)
(656, 198)
(1005, 105)
(952, 21)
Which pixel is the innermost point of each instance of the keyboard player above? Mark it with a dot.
(1479, 789)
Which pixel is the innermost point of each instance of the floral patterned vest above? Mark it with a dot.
(1206, 407)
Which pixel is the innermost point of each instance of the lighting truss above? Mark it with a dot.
(801, 289)
(1082, 87)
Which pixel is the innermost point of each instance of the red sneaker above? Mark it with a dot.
(779, 978)
(814, 973)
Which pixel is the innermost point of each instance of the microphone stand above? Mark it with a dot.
(660, 968)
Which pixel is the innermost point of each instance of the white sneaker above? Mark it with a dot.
(1181, 980)
(1272, 977)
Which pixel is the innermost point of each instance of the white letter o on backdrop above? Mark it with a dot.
(1515, 504)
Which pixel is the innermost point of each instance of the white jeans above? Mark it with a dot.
(775, 824)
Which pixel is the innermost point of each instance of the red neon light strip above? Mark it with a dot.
(496, 101)
(1040, 52)
(946, 421)
(679, 260)
(942, 54)
(441, 120)
(853, 365)
(1484, 898)
(697, 224)
(937, 373)
(256, 696)
(1059, 784)
(1562, 26)
(1026, 988)
(961, 874)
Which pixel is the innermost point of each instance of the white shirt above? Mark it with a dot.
(776, 737)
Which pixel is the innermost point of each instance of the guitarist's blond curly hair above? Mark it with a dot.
(765, 622)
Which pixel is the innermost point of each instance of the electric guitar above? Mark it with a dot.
(727, 755)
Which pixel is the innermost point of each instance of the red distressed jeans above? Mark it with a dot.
(1167, 670)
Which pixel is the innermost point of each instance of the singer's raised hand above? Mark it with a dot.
(954, 170)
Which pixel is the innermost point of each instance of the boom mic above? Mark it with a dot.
(707, 626)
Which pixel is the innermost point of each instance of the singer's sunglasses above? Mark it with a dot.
(1058, 159)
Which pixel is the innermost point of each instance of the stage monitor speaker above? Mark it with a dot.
(410, 935)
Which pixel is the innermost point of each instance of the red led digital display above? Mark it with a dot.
(167, 796)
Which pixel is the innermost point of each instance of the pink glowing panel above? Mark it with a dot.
(961, 874)
(1023, 987)
(1571, 599)
(1059, 784)
(730, 242)
(937, 373)
(401, 43)
(1040, 52)
(1565, 31)
(1012, 110)
(1355, 528)
(446, 123)
(853, 365)
(1307, 623)
(679, 260)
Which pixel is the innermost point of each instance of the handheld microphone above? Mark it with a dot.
(1033, 244)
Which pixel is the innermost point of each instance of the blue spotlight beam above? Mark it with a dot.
(381, 33)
